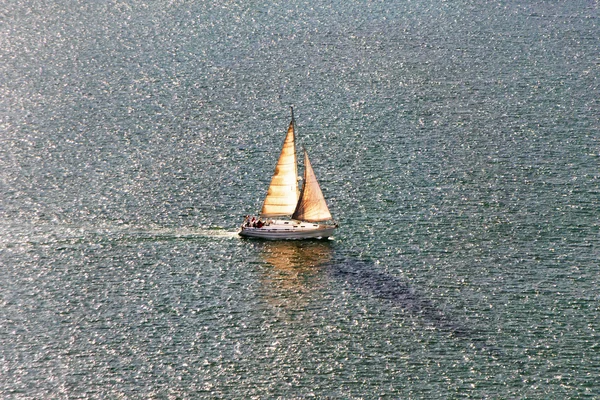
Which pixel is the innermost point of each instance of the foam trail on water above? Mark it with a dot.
(47, 234)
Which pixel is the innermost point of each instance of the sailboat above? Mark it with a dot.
(287, 212)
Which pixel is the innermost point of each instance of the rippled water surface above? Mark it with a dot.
(457, 144)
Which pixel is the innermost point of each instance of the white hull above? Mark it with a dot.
(289, 230)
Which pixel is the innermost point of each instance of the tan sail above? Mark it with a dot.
(311, 205)
(282, 195)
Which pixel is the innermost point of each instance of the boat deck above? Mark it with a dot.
(289, 229)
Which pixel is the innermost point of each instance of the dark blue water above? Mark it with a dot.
(457, 144)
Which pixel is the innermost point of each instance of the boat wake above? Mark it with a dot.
(167, 234)
(50, 234)
(188, 233)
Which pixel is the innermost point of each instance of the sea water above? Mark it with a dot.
(457, 144)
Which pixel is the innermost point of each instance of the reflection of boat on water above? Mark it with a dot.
(294, 270)
(296, 255)
(310, 216)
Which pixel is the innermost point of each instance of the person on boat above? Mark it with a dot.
(259, 224)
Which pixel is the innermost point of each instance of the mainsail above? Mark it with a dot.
(282, 195)
(311, 206)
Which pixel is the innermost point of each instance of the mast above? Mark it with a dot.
(293, 120)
